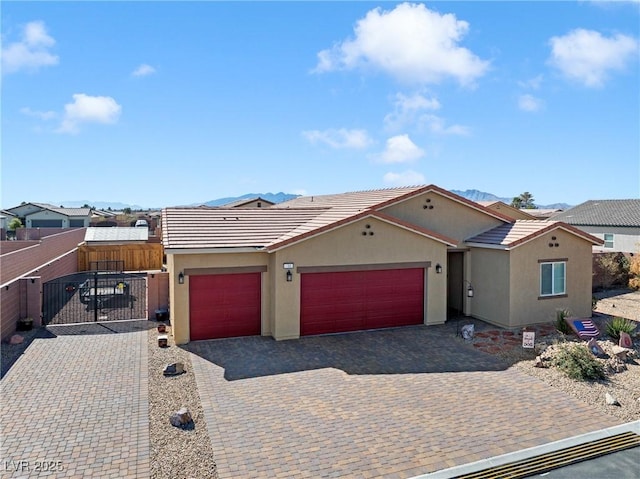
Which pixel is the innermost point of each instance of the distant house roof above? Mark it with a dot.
(116, 234)
(542, 213)
(515, 213)
(72, 211)
(603, 213)
(246, 201)
(511, 235)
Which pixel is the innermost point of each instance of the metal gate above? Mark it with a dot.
(94, 296)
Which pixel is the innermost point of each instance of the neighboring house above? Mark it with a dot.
(616, 222)
(510, 211)
(257, 202)
(43, 215)
(367, 260)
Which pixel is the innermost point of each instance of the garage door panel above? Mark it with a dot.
(225, 305)
(357, 300)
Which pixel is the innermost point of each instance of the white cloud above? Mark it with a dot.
(89, 109)
(406, 109)
(400, 149)
(42, 115)
(588, 57)
(143, 70)
(529, 103)
(405, 178)
(31, 52)
(411, 43)
(342, 138)
(532, 83)
(437, 125)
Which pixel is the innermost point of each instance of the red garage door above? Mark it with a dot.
(357, 300)
(224, 305)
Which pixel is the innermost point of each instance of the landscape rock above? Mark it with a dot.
(173, 369)
(16, 339)
(620, 352)
(539, 363)
(181, 418)
(611, 401)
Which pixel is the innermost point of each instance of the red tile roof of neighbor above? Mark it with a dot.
(511, 235)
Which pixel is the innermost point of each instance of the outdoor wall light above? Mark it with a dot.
(470, 291)
(289, 276)
(181, 278)
(438, 268)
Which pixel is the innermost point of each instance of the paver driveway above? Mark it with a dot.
(384, 404)
(75, 404)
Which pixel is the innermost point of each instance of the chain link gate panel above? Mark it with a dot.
(94, 296)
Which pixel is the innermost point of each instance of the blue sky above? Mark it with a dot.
(170, 103)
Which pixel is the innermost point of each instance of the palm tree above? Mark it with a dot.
(524, 201)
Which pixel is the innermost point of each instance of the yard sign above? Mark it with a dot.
(528, 339)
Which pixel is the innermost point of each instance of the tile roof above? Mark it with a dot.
(244, 201)
(289, 222)
(199, 228)
(511, 235)
(354, 200)
(379, 199)
(72, 211)
(115, 233)
(603, 213)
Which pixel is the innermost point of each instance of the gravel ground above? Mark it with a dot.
(624, 386)
(175, 452)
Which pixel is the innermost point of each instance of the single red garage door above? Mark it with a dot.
(224, 305)
(357, 300)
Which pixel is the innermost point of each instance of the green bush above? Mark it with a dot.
(618, 325)
(577, 362)
(561, 324)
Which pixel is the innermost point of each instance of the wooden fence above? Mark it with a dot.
(136, 257)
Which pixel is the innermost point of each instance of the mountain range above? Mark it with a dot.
(473, 195)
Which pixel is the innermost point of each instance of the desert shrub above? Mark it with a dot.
(561, 324)
(577, 362)
(610, 269)
(618, 325)
(634, 272)
(594, 302)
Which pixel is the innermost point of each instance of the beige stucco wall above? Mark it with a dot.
(525, 306)
(343, 246)
(490, 280)
(447, 217)
(179, 293)
(347, 246)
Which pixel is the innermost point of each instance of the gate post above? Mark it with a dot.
(32, 286)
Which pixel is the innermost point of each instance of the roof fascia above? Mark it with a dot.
(245, 249)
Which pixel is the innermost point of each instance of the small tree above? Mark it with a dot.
(127, 211)
(14, 224)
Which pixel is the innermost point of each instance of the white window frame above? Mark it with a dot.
(554, 265)
(608, 241)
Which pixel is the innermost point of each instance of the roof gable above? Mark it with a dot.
(512, 235)
(357, 217)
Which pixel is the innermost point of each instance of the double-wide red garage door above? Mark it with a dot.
(224, 305)
(334, 302)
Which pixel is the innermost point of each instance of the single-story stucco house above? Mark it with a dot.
(44, 215)
(367, 260)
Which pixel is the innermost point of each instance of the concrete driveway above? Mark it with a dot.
(384, 404)
(75, 404)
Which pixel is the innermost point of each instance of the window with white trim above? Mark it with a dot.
(608, 240)
(553, 278)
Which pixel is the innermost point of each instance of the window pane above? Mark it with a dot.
(608, 240)
(558, 278)
(546, 278)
